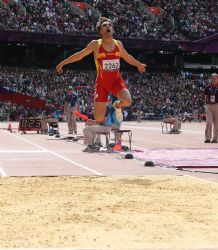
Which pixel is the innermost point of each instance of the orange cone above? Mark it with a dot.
(9, 128)
(118, 145)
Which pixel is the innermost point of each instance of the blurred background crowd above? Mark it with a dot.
(144, 19)
(149, 91)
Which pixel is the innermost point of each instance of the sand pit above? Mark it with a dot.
(108, 212)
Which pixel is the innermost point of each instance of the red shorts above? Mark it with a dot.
(102, 90)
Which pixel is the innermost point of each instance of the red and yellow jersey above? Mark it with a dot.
(107, 64)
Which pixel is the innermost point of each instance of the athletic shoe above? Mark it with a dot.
(44, 132)
(207, 141)
(173, 131)
(90, 149)
(99, 145)
(214, 141)
(118, 113)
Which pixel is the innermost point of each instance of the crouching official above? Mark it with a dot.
(50, 116)
(169, 117)
(92, 129)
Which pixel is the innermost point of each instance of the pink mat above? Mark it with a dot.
(179, 157)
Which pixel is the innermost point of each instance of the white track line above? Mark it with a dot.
(2, 172)
(53, 153)
(75, 163)
(22, 151)
(33, 144)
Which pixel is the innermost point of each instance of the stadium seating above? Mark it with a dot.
(163, 20)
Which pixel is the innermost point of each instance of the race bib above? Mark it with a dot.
(212, 99)
(111, 65)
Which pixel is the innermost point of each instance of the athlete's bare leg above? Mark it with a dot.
(124, 97)
(125, 100)
(100, 111)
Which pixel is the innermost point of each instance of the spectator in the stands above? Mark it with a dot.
(50, 116)
(173, 21)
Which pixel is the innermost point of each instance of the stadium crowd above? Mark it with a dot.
(132, 19)
(195, 19)
(45, 16)
(149, 92)
(13, 112)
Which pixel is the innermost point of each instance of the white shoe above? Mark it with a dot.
(118, 113)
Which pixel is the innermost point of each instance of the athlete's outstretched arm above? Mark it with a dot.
(130, 59)
(77, 56)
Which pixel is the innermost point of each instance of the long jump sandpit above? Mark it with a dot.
(123, 212)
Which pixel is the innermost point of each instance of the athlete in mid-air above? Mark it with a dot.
(107, 53)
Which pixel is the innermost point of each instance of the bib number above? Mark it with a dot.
(212, 99)
(111, 65)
